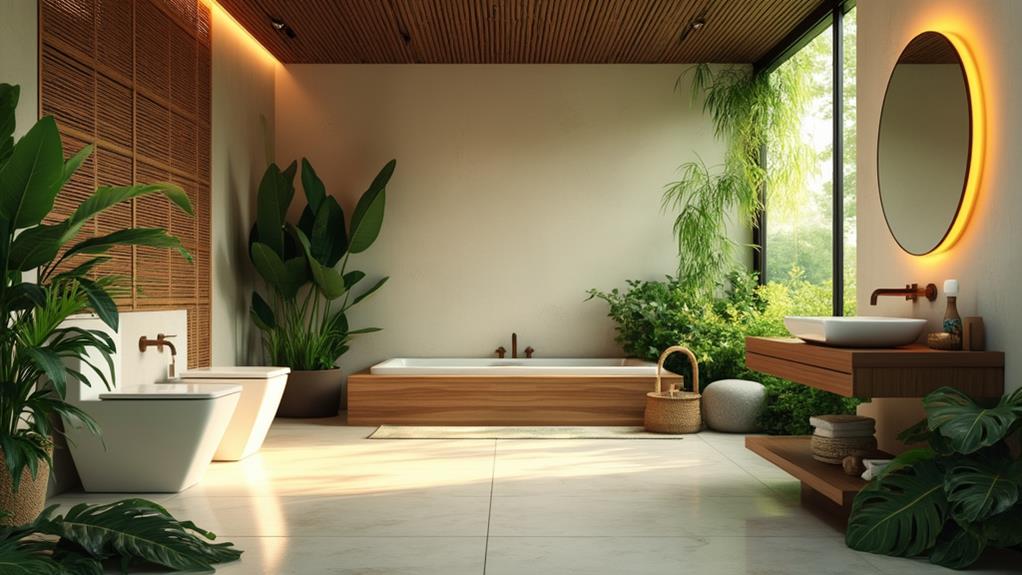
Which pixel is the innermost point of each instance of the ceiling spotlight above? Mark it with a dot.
(282, 27)
(698, 23)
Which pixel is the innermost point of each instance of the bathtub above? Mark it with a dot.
(486, 391)
(488, 366)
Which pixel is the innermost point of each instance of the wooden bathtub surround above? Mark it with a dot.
(911, 371)
(499, 399)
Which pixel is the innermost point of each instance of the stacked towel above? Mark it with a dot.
(837, 436)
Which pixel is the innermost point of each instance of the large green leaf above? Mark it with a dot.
(72, 164)
(9, 96)
(107, 197)
(149, 237)
(315, 191)
(36, 246)
(262, 313)
(901, 514)
(48, 362)
(29, 180)
(328, 281)
(275, 194)
(959, 550)
(285, 277)
(370, 291)
(978, 489)
(1002, 530)
(18, 559)
(965, 424)
(101, 302)
(327, 232)
(368, 217)
(140, 530)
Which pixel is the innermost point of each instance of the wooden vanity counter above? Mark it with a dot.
(910, 371)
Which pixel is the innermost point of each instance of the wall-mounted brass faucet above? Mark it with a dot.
(911, 293)
(501, 352)
(160, 342)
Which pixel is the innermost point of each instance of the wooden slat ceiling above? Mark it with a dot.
(519, 31)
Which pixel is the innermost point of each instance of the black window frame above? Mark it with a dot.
(830, 13)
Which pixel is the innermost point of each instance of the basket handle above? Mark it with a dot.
(691, 359)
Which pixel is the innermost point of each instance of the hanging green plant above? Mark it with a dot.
(751, 113)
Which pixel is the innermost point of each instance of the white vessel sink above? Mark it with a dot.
(856, 331)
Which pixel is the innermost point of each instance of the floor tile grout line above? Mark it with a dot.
(489, 512)
(742, 467)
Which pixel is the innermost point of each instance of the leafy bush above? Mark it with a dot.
(653, 315)
(954, 498)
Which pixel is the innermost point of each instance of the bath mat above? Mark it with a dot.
(513, 432)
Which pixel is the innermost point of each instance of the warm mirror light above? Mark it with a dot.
(978, 154)
(927, 162)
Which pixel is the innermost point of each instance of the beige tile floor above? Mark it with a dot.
(322, 499)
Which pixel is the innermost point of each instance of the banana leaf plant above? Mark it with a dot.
(304, 266)
(954, 498)
(68, 280)
(87, 537)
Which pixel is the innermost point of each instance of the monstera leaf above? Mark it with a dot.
(978, 489)
(131, 530)
(901, 514)
(959, 550)
(966, 425)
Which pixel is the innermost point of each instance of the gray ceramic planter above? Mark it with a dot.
(312, 394)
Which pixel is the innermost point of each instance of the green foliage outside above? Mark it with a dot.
(954, 498)
(653, 315)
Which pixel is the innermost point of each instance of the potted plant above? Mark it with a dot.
(954, 498)
(303, 319)
(34, 376)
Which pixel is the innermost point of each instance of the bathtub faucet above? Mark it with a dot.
(501, 352)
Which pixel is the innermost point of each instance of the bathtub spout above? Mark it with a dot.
(514, 345)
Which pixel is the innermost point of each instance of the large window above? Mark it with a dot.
(809, 222)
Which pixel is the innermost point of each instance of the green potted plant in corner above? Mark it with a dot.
(309, 288)
(34, 376)
(953, 499)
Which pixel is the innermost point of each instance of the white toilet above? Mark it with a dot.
(261, 390)
(155, 437)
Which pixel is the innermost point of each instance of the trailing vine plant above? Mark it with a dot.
(752, 113)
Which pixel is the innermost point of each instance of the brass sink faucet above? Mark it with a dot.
(911, 293)
(160, 342)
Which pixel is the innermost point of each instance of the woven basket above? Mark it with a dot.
(834, 449)
(674, 411)
(27, 503)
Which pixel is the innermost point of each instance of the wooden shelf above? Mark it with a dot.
(792, 454)
(911, 371)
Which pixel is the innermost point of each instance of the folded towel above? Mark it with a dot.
(844, 433)
(842, 422)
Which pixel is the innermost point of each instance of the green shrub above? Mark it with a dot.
(653, 315)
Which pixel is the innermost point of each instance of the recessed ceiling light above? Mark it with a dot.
(282, 27)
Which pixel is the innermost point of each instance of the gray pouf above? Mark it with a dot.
(732, 405)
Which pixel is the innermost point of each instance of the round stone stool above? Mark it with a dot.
(732, 405)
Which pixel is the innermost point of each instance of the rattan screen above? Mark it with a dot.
(133, 78)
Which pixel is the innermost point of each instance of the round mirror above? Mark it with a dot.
(924, 147)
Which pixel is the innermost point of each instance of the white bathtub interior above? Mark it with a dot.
(493, 366)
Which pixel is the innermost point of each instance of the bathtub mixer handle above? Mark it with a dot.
(500, 351)
(528, 352)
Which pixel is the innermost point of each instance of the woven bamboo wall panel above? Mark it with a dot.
(132, 78)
